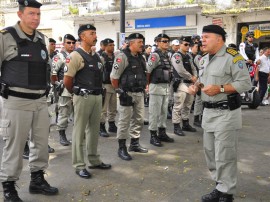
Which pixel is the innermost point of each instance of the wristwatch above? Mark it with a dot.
(222, 90)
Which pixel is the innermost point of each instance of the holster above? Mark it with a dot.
(234, 101)
(125, 100)
(176, 83)
(4, 90)
(76, 90)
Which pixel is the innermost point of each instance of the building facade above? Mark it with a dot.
(148, 17)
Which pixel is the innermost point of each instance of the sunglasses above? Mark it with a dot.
(71, 42)
(186, 44)
(251, 36)
(164, 41)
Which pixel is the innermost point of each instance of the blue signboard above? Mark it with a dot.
(173, 21)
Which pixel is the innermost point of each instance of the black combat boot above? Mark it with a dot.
(38, 185)
(169, 113)
(212, 197)
(178, 130)
(136, 147)
(112, 127)
(122, 151)
(154, 140)
(10, 193)
(187, 127)
(102, 130)
(26, 151)
(63, 138)
(162, 135)
(197, 121)
(226, 197)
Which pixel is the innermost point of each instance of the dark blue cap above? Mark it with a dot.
(107, 41)
(51, 40)
(85, 27)
(135, 36)
(70, 37)
(29, 3)
(162, 36)
(216, 29)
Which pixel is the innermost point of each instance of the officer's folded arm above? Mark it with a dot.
(68, 82)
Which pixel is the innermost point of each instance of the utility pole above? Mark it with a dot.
(122, 23)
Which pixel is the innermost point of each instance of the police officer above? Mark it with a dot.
(159, 72)
(110, 103)
(185, 74)
(65, 107)
(24, 60)
(224, 75)
(52, 47)
(198, 106)
(102, 47)
(129, 74)
(250, 52)
(83, 77)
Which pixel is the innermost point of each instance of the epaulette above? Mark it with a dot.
(231, 51)
(3, 31)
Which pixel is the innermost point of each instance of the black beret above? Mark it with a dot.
(232, 45)
(70, 37)
(85, 27)
(135, 36)
(30, 3)
(214, 29)
(185, 38)
(107, 41)
(162, 36)
(51, 40)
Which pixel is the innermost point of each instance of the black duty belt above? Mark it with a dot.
(32, 96)
(187, 81)
(216, 105)
(134, 90)
(84, 92)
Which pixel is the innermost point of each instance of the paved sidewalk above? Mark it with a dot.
(176, 172)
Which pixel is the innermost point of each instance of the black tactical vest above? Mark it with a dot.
(162, 73)
(250, 51)
(29, 68)
(187, 65)
(107, 68)
(90, 76)
(133, 78)
(60, 73)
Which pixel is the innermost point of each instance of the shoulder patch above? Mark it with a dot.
(177, 56)
(231, 51)
(237, 58)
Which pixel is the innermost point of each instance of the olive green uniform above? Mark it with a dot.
(221, 126)
(182, 100)
(159, 95)
(109, 108)
(21, 115)
(131, 118)
(65, 107)
(87, 111)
